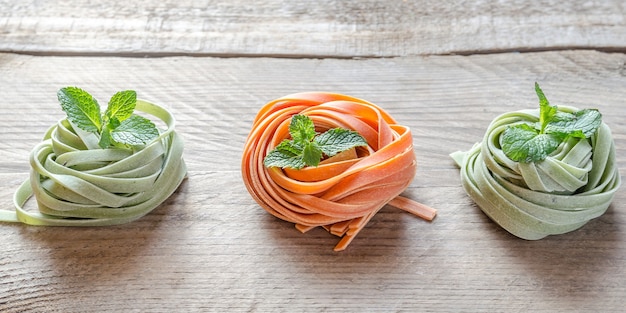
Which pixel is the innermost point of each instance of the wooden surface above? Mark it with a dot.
(210, 247)
(327, 28)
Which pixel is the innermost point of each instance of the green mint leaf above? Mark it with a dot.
(337, 140)
(526, 143)
(105, 138)
(306, 148)
(290, 147)
(113, 123)
(116, 126)
(311, 154)
(546, 111)
(81, 109)
(121, 105)
(581, 124)
(286, 154)
(301, 128)
(135, 130)
(522, 143)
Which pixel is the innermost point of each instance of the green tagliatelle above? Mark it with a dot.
(79, 186)
(573, 185)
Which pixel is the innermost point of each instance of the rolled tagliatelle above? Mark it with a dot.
(78, 183)
(345, 190)
(533, 194)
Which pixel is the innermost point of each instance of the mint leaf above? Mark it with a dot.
(546, 111)
(105, 135)
(105, 138)
(526, 143)
(581, 124)
(286, 154)
(135, 130)
(290, 147)
(81, 108)
(113, 123)
(523, 143)
(311, 154)
(116, 126)
(121, 105)
(337, 140)
(301, 128)
(306, 148)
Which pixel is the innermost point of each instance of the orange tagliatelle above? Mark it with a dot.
(344, 192)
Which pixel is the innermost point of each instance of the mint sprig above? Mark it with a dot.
(307, 148)
(81, 108)
(534, 142)
(116, 126)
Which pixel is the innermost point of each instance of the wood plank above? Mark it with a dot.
(308, 28)
(210, 247)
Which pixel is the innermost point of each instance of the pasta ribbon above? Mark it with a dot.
(344, 192)
(573, 185)
(75, 185)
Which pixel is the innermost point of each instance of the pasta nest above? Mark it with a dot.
(573, 185)
(343, 193)
(79, 186)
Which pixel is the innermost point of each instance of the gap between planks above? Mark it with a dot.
(307, 56)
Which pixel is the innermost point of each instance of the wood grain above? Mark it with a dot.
(210, 247)
(320, 28)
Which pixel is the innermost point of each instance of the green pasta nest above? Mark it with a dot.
(77, 184)
(572, 185)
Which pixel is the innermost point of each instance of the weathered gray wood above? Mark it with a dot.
(321, 28)
(210, 247)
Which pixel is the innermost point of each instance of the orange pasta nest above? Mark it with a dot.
(345, 191)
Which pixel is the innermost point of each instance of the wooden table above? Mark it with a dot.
(443, 69)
